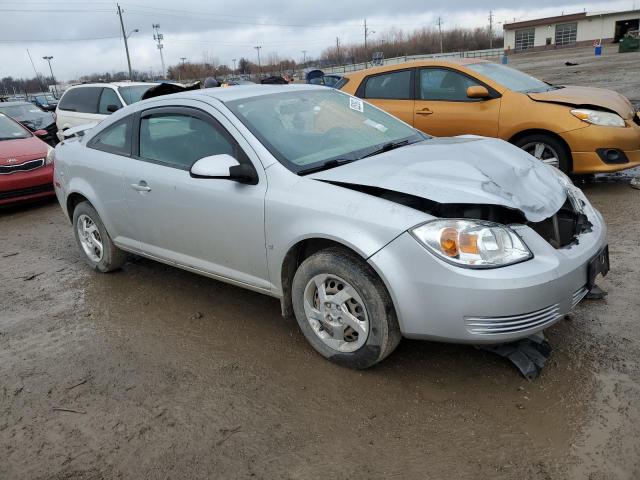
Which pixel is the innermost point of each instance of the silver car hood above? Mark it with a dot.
(466, 169)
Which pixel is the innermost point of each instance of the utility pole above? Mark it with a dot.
(439, 23)
(304, 57)
(259, 66)
(338, 49)
(490, 29)
(234, 65)
(126, 45)
(158, 37)
(55, 87)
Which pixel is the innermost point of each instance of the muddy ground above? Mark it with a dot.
(166, 374)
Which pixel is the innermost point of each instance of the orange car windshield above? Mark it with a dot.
(512, 79)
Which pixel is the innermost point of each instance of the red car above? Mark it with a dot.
(26, 164)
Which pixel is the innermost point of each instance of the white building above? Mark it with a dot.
(569, 30)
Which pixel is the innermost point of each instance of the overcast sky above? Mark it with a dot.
(84, 36)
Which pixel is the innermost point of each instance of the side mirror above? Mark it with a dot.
(112, 108)
(40, 133)
(224, 167)
(478, 91)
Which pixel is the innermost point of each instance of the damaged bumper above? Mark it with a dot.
(436, 300)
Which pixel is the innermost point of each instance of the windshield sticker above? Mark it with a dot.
(377, 126)
(356, 104)
(35, 111)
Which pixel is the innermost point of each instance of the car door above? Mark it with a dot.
(390, 91)
(442, 107)
(214, 226)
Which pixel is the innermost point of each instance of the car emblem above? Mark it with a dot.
(12, 160)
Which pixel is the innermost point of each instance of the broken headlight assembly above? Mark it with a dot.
(598, 117)
(472, 243)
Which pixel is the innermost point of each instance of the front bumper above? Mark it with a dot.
(25, 186)
(438, 301)
(584, 142)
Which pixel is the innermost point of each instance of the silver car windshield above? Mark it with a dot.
(314, 129)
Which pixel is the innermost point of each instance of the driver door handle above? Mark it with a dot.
(424, 111)
(141, 186)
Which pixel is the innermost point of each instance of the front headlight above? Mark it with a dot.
(51, 155)
(597, 117)
(472, 243)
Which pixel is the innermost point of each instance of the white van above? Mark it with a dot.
(92, 102)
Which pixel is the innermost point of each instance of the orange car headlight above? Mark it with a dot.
(598, 117)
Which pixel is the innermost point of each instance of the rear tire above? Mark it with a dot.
(344, 309)
(545, 147)
(94, 241)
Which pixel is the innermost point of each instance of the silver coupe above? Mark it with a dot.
(366, 229)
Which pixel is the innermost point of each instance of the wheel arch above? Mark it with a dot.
(296, 254)
(540, 131)
(73, 200)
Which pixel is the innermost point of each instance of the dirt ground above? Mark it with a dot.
(166, 374)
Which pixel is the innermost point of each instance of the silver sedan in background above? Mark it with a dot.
(366, 229)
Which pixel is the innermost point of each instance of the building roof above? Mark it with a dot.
(561, 19)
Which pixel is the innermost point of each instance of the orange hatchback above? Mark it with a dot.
(577, 129)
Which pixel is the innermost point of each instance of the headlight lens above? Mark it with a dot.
(597, 117)
(472, 243)
(51, 155)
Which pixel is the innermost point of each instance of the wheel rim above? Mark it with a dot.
(90, 238)
(336, 313)
(543, 152)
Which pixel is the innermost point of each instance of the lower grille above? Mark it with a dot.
(578, 295)
(514, 323)
(26, 191)
(23, 167)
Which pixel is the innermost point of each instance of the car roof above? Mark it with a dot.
(240, 92)
(114, 84)
(440, 62)
(13, 104)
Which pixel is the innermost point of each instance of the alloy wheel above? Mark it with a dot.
(543, 152)
(336, 313)
(90, 238)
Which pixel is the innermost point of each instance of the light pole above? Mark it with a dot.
(182, 60)
(126, 45)
(367, 32)
(234, 65)
(55, 87)
(304, 57)
(259, 66)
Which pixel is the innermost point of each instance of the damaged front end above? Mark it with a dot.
(561, 229)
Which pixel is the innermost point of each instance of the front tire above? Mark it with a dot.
(548, 150)
(94, 241)
(343, 309)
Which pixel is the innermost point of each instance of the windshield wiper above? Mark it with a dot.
(387, 147)
(335, 162)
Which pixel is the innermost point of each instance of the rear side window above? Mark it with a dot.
(341, 83)
(81, 99)
(394, 85)
(108, 97)
(115, 138)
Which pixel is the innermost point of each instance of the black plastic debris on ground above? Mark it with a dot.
(529, 354)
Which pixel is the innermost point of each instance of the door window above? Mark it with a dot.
(81, 99)
(395, 85)
(179, 140)
(444, 84)
(115, 138)
(108, 97)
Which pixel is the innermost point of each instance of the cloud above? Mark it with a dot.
(227, 30)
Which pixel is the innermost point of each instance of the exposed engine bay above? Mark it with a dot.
(560, 230)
